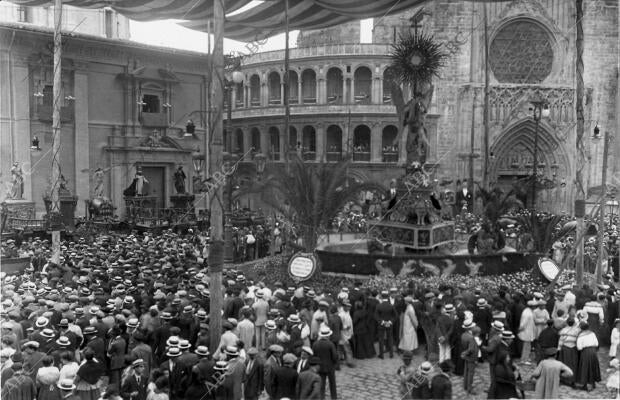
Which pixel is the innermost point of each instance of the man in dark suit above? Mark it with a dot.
(177, 374)
(463, 197)
(325, 350)
(253, 383)
(469, 355)
(32, 358)
(385, 315)
(309, 382)
(303, 363)
(134, 386)
(95, 343)
(116, 355)
(285, 379)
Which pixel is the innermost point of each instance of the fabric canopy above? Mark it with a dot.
(262, 21)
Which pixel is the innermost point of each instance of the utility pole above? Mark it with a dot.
(580, 195)
(54, 214)
(216, 252)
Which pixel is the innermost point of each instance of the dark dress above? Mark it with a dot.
(505, 383)
(455, 342)
(361, 335)
(570, 357)
(588, 369)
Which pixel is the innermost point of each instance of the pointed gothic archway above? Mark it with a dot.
(513, 155)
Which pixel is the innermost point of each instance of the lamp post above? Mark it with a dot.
(228, 249)
(540, 110)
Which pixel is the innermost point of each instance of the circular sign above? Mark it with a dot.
(301, 267)
(548, 268)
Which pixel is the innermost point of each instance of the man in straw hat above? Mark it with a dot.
(134, 386)
(253, 379)
(326, 351)
(469, 355)
(309, 382)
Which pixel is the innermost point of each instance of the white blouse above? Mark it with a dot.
(586, 339)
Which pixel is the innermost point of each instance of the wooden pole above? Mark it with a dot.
(216, 252)
(580, 158)
(485, 176)
(601, 213)
(287, 106)
(56, 132)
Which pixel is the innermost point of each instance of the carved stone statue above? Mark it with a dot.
(16, 191)
(99, 177)
(411, 117)
(179, 180)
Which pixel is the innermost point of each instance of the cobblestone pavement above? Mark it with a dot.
(375, 379)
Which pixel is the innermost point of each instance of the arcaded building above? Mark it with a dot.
(341, 106)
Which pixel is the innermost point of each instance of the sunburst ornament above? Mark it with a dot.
(417, 58)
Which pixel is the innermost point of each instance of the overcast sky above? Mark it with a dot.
(170, 34)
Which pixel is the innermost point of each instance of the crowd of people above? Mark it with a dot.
(127, 316)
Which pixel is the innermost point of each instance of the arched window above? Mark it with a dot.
(390, 151)
(308, 86)
(334, 86)
(363, 85)
(275, 95)
(237, 145)
(309, 143)
(361, 143)
(239, 100)
(293, 88)
(274, 143)
(334, 143)
(255, 137)
(255, 91)
(387, 79)
(292, 138)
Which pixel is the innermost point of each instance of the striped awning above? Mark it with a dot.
(262, 21)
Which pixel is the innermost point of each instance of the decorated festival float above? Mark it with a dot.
(413, 237)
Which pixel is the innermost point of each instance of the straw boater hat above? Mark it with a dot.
(174, 352)
(276, 348)
(506, 335)
(66, 384)
(468, 324)
(325, 332)
(221, 366)
(231, 351)
(270, 325)
(294, 318)
(137, 363)
(498, 325)
(426, 368)
(202, 351)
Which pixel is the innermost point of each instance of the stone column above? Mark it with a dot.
(352, 101)
(377, 95)
(344, 90)
(82, 138)
(233, 97)
(320, 141)
(282, 92)
(322, 91)
(300, 97)
(376, 152)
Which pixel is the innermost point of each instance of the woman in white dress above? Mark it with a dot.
(527, 331)
(409, 337)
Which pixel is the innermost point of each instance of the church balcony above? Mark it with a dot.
(302, 109)
(330, 50)
(154, 120)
